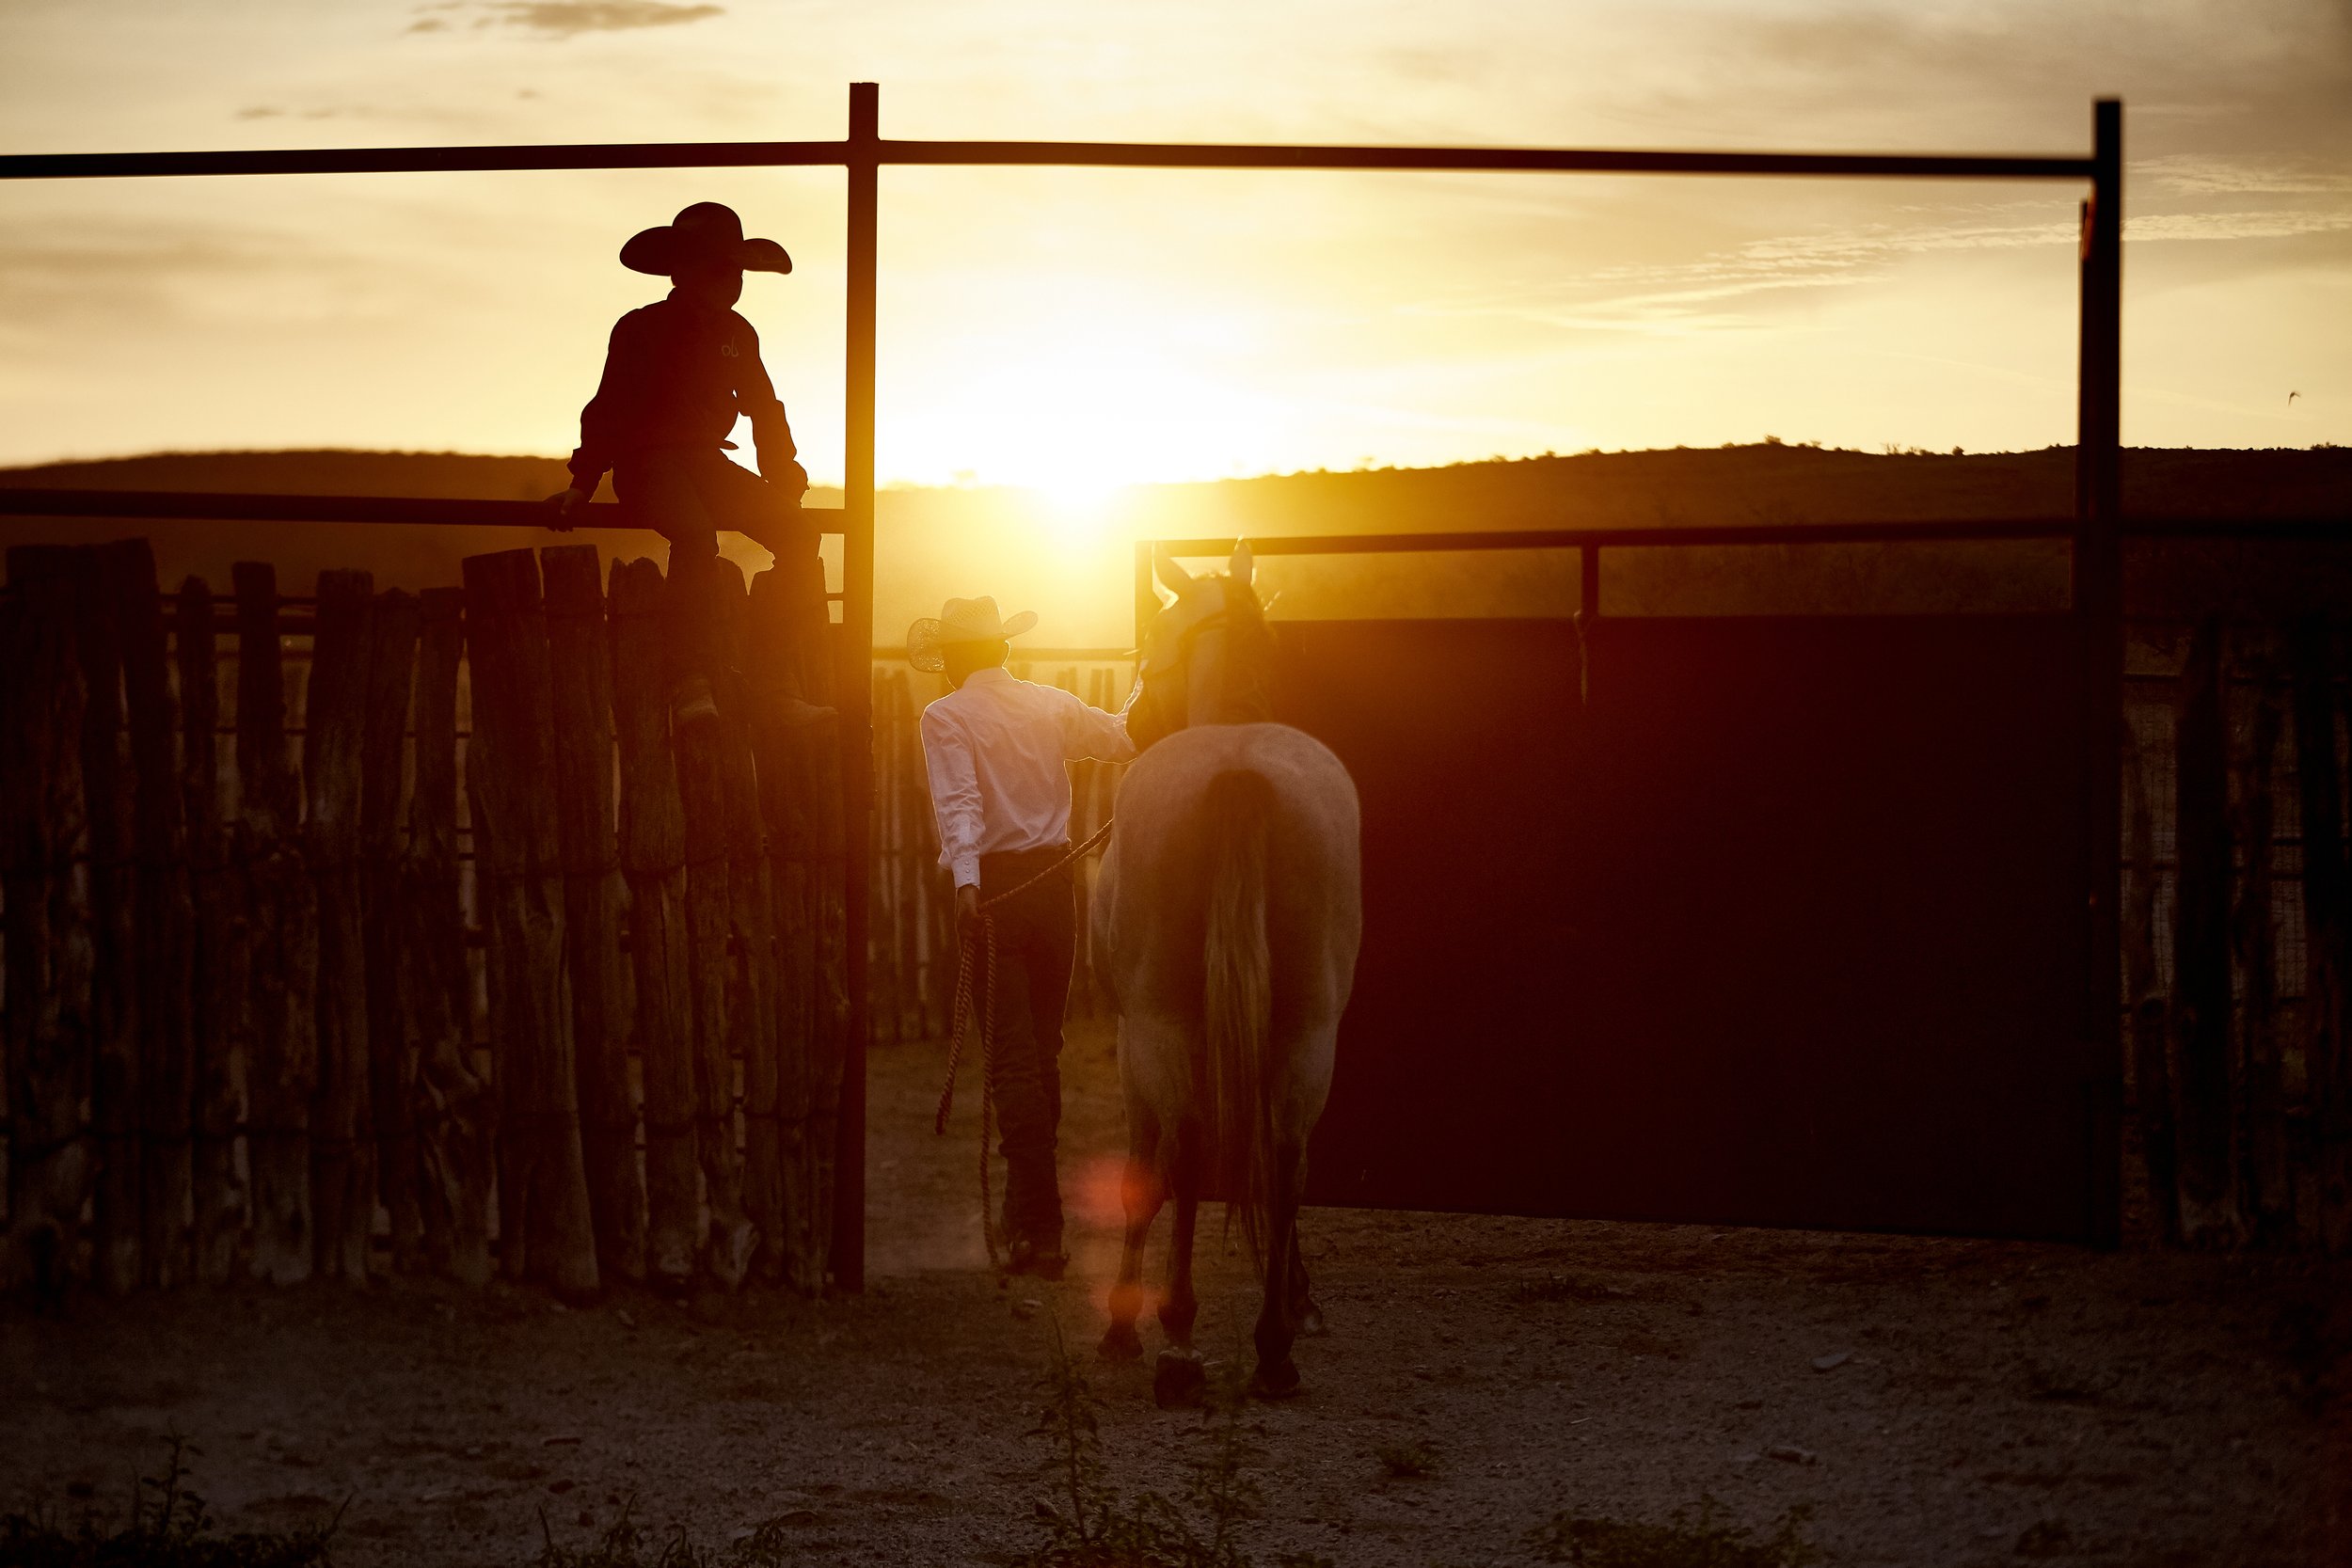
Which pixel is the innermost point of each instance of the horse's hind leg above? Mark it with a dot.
(1278, 1320)
(1306, 1314)
(1179, 1378)
(1141, 1192)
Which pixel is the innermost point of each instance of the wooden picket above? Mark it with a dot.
(243, 1028)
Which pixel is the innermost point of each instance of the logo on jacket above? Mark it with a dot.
(728, 349)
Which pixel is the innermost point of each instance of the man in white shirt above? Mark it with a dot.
(996, 749)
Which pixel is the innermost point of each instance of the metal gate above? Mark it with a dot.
(1773, 921)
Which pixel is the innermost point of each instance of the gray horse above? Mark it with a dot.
(1226, 924)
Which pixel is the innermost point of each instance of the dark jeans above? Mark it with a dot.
(1036, 939)
(690, 497)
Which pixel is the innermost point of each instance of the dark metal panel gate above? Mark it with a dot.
(1783, 925)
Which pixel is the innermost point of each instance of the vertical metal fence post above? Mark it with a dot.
(2099, 613)
(1146, 597)
(856, 684)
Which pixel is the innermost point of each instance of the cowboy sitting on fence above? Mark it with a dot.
(678, 376)
(995, 747)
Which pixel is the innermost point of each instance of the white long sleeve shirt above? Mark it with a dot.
(995, 747)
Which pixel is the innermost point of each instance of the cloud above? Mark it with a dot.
(563, 19)
(2204, 174)
(74, 277)
(1698, 295)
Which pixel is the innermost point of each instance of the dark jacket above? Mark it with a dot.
(678, 376)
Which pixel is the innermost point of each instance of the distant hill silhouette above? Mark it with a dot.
(1029, 552)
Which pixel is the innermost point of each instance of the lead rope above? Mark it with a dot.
(963, 1012)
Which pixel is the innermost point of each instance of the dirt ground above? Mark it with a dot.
(1996, 1400)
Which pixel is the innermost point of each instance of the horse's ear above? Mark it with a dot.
(1243, 563)
(1177, 579)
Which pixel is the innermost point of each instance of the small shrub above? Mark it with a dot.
(1091, 1524)
(1591, 1541)
(169, 1527)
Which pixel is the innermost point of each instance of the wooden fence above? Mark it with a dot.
(454, 957)
(2237, 936)
(504, 974)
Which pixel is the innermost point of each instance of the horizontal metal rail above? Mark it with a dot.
(1039, 155)
(209, 505)
(1484, 160)
(1928, 532)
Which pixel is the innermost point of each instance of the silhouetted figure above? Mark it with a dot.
(996, 749)
(679, 373)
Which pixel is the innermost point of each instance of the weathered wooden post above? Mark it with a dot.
(2200, 945)
(217, 1009)
(114, 1007)
(43, 831)
(884, 980)
(281, 943)
(2327, 932)
(906, 877)
(392, 1048)
(161, 917)
(456, 1114)
(2143, 984)
(581, 651)
(653, 859)
(334, 735)
(701, 751)
(544, 1231)
(2259, 1084)
(816, 852)
(755, 981)
(772, 659)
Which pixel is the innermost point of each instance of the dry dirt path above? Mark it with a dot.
(2127, 1409)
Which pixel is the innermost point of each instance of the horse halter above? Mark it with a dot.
(1185, 641)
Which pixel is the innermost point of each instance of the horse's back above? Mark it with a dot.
(1314, 795)
(1150, 924)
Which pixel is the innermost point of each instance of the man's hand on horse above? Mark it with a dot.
(968, 915)
(566, 507)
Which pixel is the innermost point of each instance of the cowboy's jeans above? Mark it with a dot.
(1036, 939)
(690, 497)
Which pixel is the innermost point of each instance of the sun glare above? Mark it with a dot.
(1126, 391)
(1076, 505)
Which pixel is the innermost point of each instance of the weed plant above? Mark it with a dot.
(1093, 1524)
(168, 1527)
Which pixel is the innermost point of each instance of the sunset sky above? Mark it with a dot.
(1084, 327)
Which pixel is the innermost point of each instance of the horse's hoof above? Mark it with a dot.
(1276, 1382)
(1310, 1322)
(1179, 1381)
(1120, 1342)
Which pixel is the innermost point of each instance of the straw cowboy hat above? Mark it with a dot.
(708, 232)
(961, 621)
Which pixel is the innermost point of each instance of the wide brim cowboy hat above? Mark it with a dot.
(961, 621)
(708, 234)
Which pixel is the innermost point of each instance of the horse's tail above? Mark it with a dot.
(1237, 997)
